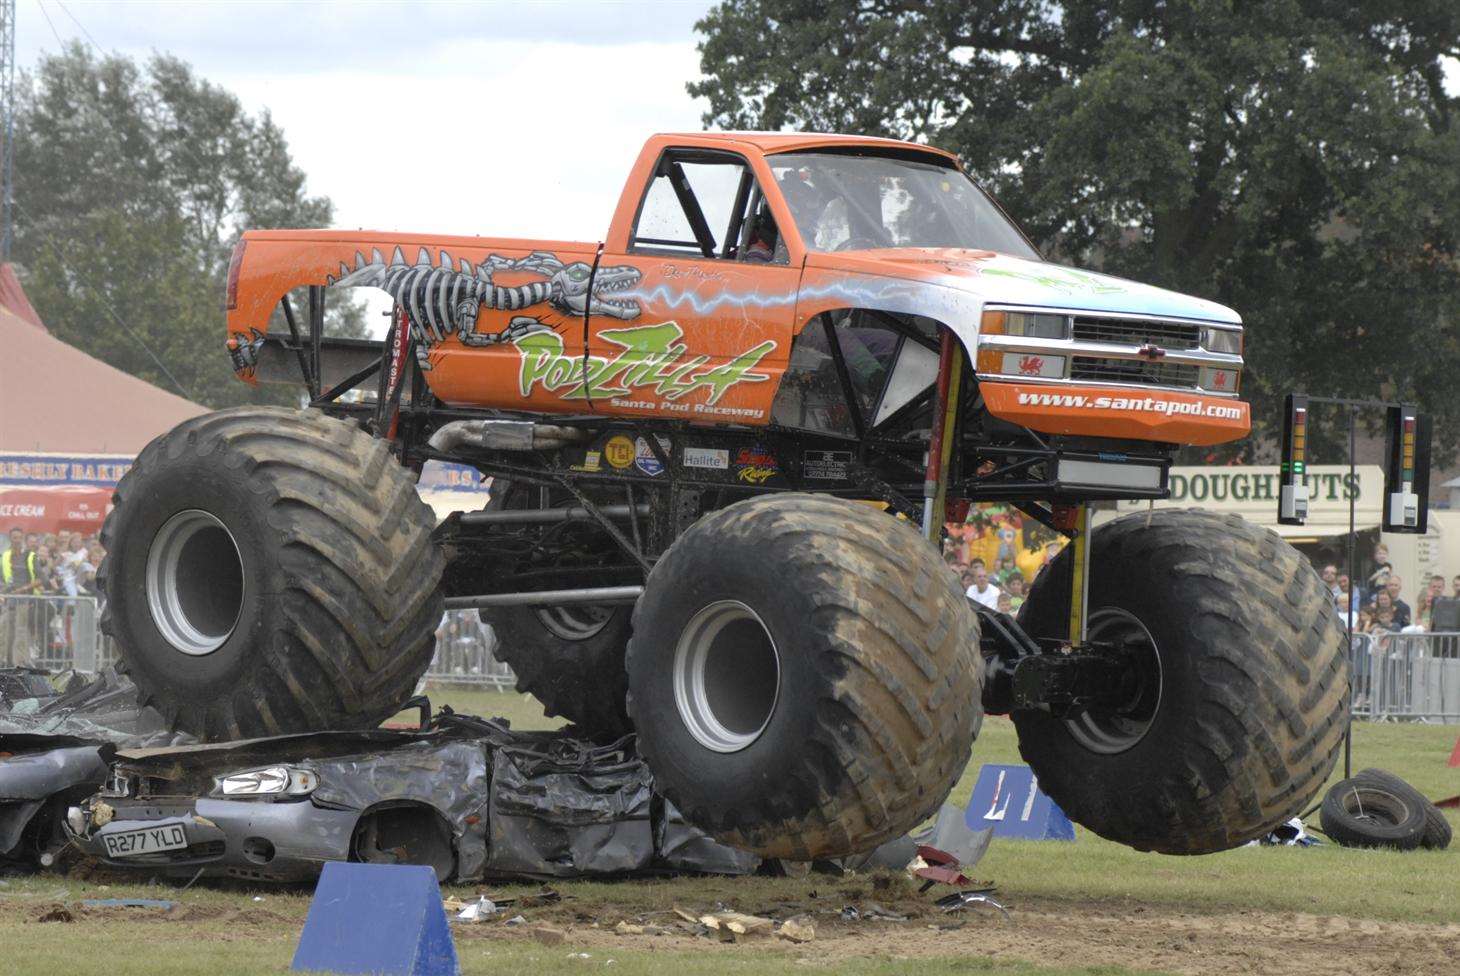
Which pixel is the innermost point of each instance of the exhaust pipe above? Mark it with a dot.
(504, 435)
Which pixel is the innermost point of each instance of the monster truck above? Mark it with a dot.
(721, 444)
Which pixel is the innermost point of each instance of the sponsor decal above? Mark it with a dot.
(826, 465)
(652, 361)
(1031, 365)
(707, 457)
(619, 451)
(755, 465)
(592, 461)
(755, 475)
(644, 458)
(1171, 408)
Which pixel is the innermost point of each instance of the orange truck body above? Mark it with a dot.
(708, 340)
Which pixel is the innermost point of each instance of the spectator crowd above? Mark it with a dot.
(997, 552)
(1380, 605)
(42, 577)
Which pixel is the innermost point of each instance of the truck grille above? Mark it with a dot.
(1093, 370)
(1137, 332)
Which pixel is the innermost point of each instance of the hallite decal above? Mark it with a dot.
(653, 360)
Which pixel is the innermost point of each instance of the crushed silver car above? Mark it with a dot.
(469, 797)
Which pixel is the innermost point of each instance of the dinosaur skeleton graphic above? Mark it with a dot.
(443, 298)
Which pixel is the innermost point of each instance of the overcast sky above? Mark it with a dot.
(513, 118)
(500, 118)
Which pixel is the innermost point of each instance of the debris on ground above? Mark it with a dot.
(56, 913)
(473, 911)
(547, 935)
(797, 930)
(1292, 833)
(960, 900)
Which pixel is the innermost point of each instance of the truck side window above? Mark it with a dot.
(707, 205)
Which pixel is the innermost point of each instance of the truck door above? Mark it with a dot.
(695, 320)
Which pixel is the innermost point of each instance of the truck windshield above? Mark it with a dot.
(844, 202)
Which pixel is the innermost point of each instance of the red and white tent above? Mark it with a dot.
(69, 424)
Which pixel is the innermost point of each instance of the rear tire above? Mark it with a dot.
(270, 570)
(569, 658)
(804, 675)
(1250, 703)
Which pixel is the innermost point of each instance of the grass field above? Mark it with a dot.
(1086, 908)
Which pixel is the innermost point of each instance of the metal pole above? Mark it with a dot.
(548, 598)
(7, 105)
(940, 439)
(1353, 582)
(514, 516)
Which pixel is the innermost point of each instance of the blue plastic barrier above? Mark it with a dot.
(377, 918)
(1008, 799)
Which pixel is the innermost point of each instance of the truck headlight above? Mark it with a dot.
(269, 781)
(1222, 340)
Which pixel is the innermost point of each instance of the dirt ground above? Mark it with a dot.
(1058, 933)
(1053, 933)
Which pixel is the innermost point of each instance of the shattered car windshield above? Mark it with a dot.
(847, 202)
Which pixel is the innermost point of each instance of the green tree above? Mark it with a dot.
(132, 183)
(1294, 159)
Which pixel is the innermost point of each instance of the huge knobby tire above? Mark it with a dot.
(270, 570)
(569, 658)
(578, 677)
(1248, 711)
(804, 676)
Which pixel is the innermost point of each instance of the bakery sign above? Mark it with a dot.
(1252, 492)
(97, 470)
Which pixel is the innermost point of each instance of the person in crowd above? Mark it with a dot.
(982, 591)
(1005, 604)
(1379, 568)
(1402, 612)
(1016, 590)
(1384, 622)
(1455, 587)
(20, 574)
(1347, 610)
(1330, 579)
(1345, 594)
(1425, 606)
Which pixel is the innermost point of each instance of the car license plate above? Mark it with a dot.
(148, 840)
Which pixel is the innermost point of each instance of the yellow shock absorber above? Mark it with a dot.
(1080, 573)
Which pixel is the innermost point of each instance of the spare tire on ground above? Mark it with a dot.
(1366, 813)
(270, 570)
(804, 676)
(1238, 684)
(1438, 833)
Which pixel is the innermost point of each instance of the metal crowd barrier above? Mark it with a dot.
(53, 632)
(465, 654)
(1406, 677)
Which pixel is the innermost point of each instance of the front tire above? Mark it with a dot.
(268, 571)
(1242, 685)
(804, 676)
